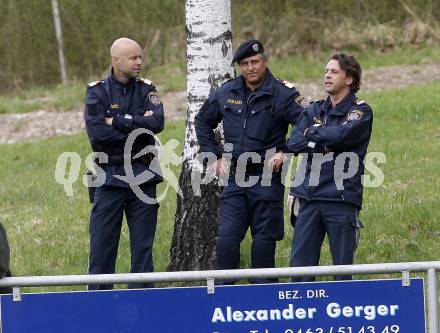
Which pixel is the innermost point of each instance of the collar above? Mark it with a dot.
(342, 107)
(267, 87)
(114, 81)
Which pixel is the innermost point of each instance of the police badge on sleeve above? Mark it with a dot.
(355, 115)
(154, 98)
(302, 101)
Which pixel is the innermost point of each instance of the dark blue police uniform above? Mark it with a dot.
(329, 204)
(252, 122)
(133, 105)
(4, 259)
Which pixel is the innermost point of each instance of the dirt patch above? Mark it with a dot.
(45, 123)
(18, 127)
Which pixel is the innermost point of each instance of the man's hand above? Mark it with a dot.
(277, 161)
(290, 200)
(148, 113)
(220, 167)
(108, 121)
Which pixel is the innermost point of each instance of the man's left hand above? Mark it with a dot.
(278, 160)
(108, 121)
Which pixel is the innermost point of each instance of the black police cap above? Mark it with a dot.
(248, 49)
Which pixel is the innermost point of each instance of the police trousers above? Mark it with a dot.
(106, 217)
(259, 208)
(339, 220)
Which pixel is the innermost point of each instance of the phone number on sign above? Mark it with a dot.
(344, 329)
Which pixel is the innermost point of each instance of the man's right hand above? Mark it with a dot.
(221, 167)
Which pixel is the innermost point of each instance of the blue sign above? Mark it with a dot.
(371, 306)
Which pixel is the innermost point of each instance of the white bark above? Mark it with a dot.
(208, 24)
(209, 51)
(59, 35)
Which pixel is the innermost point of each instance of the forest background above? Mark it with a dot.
(287, 27)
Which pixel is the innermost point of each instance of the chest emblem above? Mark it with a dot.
(316, 120)
(234, 101)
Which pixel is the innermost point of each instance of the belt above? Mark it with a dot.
(251, 168)
(119, 160)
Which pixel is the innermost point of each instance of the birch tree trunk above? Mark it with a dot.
(209, 53)
(59, 35)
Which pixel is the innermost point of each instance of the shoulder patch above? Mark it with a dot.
(354, 115)
(288, 84)
(146, 81)
(94, 83)
(359, 101)
(154, 98)
(302, 101)
(226, 81)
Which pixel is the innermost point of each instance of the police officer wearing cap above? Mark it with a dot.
(333, 134)
(114, 107)
(256, 110)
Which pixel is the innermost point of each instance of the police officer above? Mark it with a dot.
(256, 110)
(333, 134)
(4, 259)
(114, 107)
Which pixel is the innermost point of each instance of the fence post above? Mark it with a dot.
(431, 278)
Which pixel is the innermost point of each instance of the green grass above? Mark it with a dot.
(403, 213)
(172, 77)
(60, 97)
(48, 231)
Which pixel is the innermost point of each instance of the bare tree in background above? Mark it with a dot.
(59, 35)
(209, 40)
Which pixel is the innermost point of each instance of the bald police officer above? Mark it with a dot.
(114, 107)
(328, 202)
(256, 110)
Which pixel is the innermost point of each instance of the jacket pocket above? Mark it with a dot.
(259, 123)
(232, 123)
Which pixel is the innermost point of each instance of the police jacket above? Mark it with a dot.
(4, 253)
(252, 121)
(337, 141)
(133, 105)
